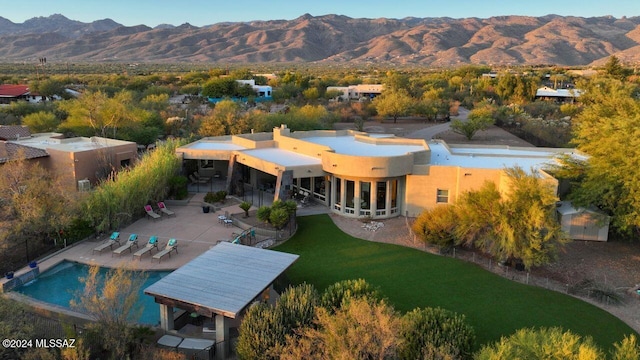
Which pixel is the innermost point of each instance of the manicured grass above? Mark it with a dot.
(410, 278)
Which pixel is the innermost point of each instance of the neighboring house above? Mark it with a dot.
(262, 91)
(361, 175)
(559, 95)
(358, 92)
(14, 132)
(583, 224)
(11, 93)
(80, 159)
(10, 151)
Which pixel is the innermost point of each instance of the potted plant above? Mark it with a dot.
(245, 206)
(206, 209)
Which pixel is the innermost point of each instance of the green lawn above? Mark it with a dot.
(410, 278)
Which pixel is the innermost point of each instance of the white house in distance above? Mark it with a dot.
(262, 91)
(357, 92)
(559, 95)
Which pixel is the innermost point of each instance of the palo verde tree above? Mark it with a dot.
(34, 204)
(517, 224)
(608, 131)
(111, 300)
(479, 119)
(554, 343)
(393, 103)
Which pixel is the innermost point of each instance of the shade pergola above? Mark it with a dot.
(222, 281)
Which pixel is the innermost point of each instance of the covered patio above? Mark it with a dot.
(219, 285)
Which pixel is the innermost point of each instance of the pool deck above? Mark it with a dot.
(195, 231)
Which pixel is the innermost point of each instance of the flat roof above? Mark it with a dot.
(49, 141)
(494, 158)
(225, 279)
(214, 145)
(283, 157)
(349, 145)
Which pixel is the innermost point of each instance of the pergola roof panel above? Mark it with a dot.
(225, 279)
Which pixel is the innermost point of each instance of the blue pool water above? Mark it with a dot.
(59, 284)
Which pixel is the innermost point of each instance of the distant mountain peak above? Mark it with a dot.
(501, 40)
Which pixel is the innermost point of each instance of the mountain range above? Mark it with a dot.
(503, 40)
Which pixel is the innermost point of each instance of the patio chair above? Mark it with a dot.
(150, 213)
(114, 239)
(133, 240)
(197, 176)
(152, 244)
(171, 246)
(195, 180)
(164, 210)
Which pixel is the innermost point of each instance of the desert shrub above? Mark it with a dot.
(214, 197)
(436, 226)
(178, 187)
(544, 343)
(278, 217)
(435, 331)
(263, 214)
(542, 109)
(264, 328)
(245, 206)
(338, 294)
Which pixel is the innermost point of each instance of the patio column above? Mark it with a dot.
(222, 337)
(166, 317)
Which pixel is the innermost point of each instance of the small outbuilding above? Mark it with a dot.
(583, 223)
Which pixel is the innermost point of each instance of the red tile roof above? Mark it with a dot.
(7, 90)
(13, 132)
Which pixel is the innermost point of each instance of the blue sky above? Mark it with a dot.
(206, 12)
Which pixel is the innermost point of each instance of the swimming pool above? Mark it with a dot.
(58, 285)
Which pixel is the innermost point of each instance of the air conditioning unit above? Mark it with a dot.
(84, 185)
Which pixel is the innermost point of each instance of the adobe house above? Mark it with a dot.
(80, 158)
(362, 175)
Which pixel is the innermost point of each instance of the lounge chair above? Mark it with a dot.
(197, 176)
(152, 244)
(133, 240)
(150, 213)
(164, 210)
(195, 180)
(114, 239)
(171, 246)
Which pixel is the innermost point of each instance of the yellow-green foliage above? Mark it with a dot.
(122, 197)
(543, 343)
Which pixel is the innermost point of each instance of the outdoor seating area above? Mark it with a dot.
(157, 214)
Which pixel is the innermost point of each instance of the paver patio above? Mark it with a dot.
(195, 231)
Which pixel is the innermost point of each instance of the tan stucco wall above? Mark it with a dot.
(421, 188)
(367, 166)
(81, 165)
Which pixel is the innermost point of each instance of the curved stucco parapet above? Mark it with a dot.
(367, 166)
